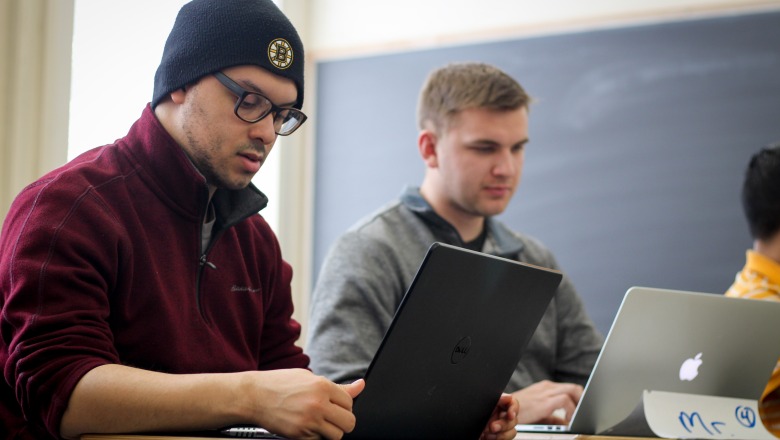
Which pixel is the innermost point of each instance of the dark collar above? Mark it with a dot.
(500, 240)
(163, 165)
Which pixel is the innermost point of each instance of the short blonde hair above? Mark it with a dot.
(456, 87)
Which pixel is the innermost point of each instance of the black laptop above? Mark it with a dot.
(452, 346)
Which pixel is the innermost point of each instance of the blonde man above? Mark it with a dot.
(473, 121)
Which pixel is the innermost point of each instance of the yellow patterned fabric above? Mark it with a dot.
(760, 279)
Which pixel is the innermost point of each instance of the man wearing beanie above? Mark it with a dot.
(141, 291)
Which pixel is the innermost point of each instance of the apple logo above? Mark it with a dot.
(690, 368)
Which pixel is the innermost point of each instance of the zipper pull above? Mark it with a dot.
(204, 262)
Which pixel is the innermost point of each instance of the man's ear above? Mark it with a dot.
(177, 96)
(426, 144)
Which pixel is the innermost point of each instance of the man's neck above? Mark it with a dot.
(470, 229)
(468, 226)
(769, 248)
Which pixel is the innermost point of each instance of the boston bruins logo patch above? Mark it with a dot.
(280, 53)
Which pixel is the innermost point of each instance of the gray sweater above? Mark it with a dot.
(368, 270)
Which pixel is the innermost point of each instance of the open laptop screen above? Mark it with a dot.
(732, 343)
(452, 346)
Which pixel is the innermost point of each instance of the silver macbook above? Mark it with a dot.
(681, 342)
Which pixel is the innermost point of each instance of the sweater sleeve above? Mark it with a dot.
(577, 341)
(566, 343)
(55, 275)
(280, 330)
(354, 300)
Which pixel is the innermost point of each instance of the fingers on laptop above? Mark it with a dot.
(548, 402)
(354, 388)
(502, 422)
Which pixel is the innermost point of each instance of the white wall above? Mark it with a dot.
(345, 27)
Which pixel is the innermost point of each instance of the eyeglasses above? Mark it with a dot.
(252, 107)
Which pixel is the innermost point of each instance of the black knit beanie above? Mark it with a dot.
(210, 35)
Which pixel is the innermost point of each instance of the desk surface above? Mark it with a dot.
(520, 436)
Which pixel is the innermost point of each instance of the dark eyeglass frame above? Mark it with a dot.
(274, 109)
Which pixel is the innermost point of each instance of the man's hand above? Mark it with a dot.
(501, 425)
(295, 403)
(301, 405)
(539, 402)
